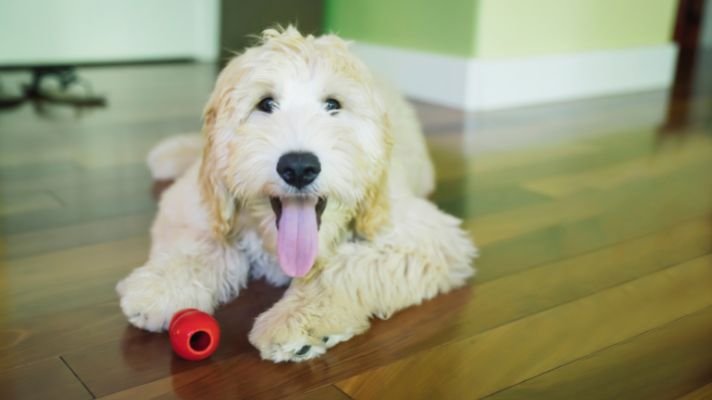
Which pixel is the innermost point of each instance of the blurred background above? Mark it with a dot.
(489, 54)
(573, 138)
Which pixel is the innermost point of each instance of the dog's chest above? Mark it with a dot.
(262, 263)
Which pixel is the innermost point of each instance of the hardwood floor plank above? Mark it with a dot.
(500, 197)
(681, 199)
(497, 166)
(80, 212)
(32, 339)
(454, 163)
(101, 192)
(569, 240)
(37, 242)
(455, 197)
(697, 154)
(36, 169)
(447, 318)
(703, 393)
(24, 202)
(328, 392)
(84, 196)
(530, 163)
(88, 276)
(478, 366)
(78, 179)
(46, 379)
(660, 364)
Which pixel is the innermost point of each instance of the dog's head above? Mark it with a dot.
(298, 146)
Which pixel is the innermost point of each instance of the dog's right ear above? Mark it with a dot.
(373, 214)
(222, 205)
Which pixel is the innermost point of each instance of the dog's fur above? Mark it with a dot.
(382, 246)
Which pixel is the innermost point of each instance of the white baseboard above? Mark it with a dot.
(487, 84)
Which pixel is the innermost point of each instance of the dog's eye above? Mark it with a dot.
(332, 105)
(267, 105)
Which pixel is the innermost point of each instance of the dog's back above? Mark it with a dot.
(410, 159)
(172, 157)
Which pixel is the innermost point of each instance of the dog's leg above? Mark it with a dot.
(196, 275)
(423, 253)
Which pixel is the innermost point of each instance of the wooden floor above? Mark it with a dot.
(594, 220)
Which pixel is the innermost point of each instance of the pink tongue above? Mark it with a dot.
(297, 236)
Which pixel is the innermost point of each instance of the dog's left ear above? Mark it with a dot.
(373, 213)
(222, 206)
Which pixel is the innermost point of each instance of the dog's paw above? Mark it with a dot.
(280, 335)
(149, 300)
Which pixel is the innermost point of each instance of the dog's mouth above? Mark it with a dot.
(298, 220)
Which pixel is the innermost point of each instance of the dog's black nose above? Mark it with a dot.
(298, 169)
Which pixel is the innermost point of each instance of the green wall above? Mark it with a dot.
(438, 26)
(503, 28)
(520, 28)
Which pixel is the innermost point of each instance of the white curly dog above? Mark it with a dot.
(312, 174)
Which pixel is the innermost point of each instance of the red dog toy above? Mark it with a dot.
(194, 335)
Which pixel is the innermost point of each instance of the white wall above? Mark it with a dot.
(76, 31)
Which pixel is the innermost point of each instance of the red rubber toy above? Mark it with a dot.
(194, 335)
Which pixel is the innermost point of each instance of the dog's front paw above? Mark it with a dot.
(284, 334)
(149, 299)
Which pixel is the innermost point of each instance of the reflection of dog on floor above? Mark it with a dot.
(310, 170)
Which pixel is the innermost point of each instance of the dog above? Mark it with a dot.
(312, 174)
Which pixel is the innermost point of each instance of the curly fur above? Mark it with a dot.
(382, 246)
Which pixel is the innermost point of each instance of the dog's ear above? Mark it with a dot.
(222, 206)
(373, 213)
